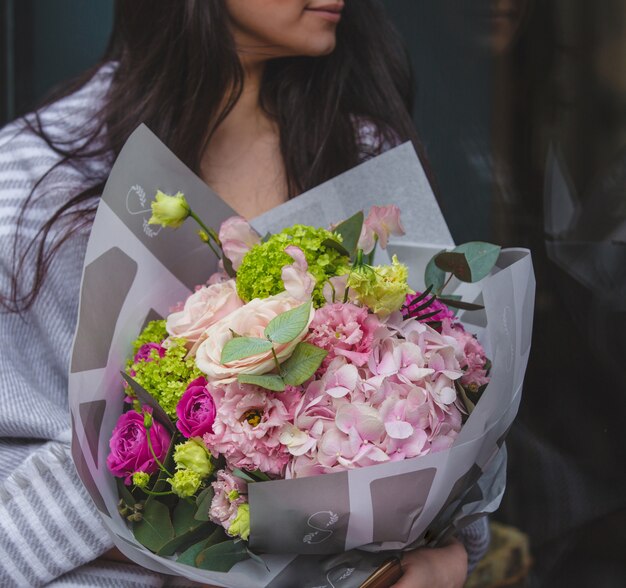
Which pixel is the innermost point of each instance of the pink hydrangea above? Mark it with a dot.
(343, 329)
(473, 360)
(229, 492)
(247, 426)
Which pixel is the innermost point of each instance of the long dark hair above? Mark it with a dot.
(178, 71)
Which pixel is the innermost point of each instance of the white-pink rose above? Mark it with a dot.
(202, 309)
(248, 321)
(237, 238)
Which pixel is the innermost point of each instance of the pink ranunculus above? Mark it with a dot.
(384, 221)
(298, 282)
(129, 446)
(248, 425)
(144, 353)
(344, 329)
(472, 359)
(248, 321)
(229, 492)
(195, 410)
(237, 238)
(205, 307)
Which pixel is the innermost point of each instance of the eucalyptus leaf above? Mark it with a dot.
(124, 493)
(303, 363)
(189, 556)
(251, 477)
(257, 558)
(433, 276)
(271, 382)
(285, 327)
(203, 504)
(183, 540)
(455, 263)
(350, 231)
(481, 257)
(155, 528)
(332, 244)
(182, 517)
(222, 556)
(242, 347)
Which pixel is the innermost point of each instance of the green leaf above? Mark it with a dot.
(242, 347)
(155, 528)
(257, 558)
(182, 517)
(433, 276)
(161, 484)
(189, 556)
(146, 399)
(469, 405)
(124, 493)
(203, 504)
(251, 477)
(223, 556)
(448, 301)
(184, 540)
(302, 364)
(332, 244)
(271, 382)
(266, 237)
(285, 327)
(480, 256)
(350, 231)
(454, 263)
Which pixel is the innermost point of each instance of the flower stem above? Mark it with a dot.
(156, 459)
(209, 231)
(151, 493)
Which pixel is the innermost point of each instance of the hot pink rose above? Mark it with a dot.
(129, 446)
(195, 410)
(237, 238)
(203, 308)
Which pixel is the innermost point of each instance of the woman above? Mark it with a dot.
(263, 99)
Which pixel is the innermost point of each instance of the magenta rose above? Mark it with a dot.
(196, 410)
(129, 446)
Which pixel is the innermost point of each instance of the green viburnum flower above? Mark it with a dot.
(192, 455)
(240, 527)
(169, 211)
(141, 479)
(166, 378)
(154, 332)
(185, 483)
(259, 275)
(382, 288)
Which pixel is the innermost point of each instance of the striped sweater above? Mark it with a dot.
(50, 532)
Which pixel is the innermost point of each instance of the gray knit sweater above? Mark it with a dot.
(50, 532)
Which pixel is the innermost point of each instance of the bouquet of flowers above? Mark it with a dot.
(302, 352)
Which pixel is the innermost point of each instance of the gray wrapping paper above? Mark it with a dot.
(135, 272)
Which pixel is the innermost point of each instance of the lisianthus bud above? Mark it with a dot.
(169, 211)
(240, 527)
(141, 479)
(192, 455)
(147, 420)
(185, 483)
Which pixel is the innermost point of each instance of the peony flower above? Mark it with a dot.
(169, 211)
(229, 493)
(129, 446)
(248, 321)
(237, 238)
(195, 410)
(248, 426)
(343, 329)
(193, 455)
(299, 283)
(203, 308)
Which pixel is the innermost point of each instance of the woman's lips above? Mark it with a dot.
(331, 12)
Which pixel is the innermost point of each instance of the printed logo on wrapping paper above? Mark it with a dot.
(321, 523)
(507, 319)
(137, 203)
(334, 583)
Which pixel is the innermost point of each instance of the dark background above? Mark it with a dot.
(495, 113)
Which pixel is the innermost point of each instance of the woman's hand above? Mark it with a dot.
(439, 567)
